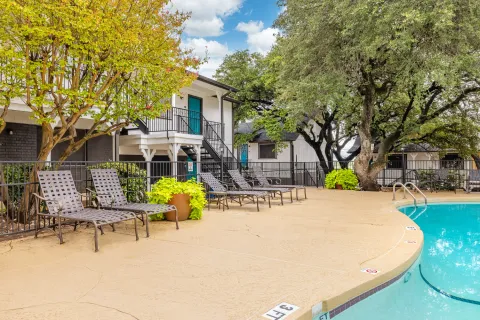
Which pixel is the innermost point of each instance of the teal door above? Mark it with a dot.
(194, 115)
(244, 154)
(191, 169)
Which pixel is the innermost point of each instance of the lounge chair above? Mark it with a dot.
(473, 180)
(265, 183)
(65, 203)
(222, 193)
(444, 180)
(244, 185)
(110, 195)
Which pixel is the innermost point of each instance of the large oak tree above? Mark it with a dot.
(409, 70)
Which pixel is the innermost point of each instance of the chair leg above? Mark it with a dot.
(226, 202)
(176, 218)
(269, 202)
(147, 224)
(37, 222)
(258, 206)
(291, 196)
(75, 226)
(113, 227)
(305, 191)
(101, 229)
(281, 198)
(296, 191)
(60, 236)
(209, 200)
(96, 237)
(136, 229)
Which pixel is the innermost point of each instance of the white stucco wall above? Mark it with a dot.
(211, 109)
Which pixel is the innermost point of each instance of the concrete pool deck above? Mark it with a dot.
(236, 264)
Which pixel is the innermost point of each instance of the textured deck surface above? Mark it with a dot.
(236, 264)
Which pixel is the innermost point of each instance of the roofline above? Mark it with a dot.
(216, 83)
(232, 100)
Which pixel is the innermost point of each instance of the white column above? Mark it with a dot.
(173, 155)
(414, 156)
(198, 151)
(148, 154)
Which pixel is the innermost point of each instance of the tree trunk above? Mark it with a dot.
(476, 158)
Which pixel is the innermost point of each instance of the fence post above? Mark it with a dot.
(403, 165)
(316, 174)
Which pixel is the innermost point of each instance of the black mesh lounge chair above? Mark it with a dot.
(473, 180)
(110, 195)
(244, 185)
(265, 183)
(65, 203)
(222, 193)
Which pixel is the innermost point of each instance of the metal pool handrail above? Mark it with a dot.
(418, 190)
(405, 189)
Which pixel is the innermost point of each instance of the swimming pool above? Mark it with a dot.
(445, 282)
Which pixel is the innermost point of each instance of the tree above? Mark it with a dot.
(110, 61)
(408, 70)
(255, 76)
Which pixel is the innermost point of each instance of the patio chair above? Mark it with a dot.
(65, 203)
(473, 180)
(244, 185)
(264, 182)
(221, 192)
(110, 195)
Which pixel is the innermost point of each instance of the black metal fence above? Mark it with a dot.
(18, 179)
(18, 182)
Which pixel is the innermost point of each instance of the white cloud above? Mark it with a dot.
(216, 53)
(207, 15)
(258, 39)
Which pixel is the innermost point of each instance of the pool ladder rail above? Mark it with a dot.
(407, 190)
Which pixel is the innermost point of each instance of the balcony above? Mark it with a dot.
(182, 121)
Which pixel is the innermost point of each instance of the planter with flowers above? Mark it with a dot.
(188, 197)
(343, 179)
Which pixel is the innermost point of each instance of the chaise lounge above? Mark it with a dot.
(110, 195)
(64, 203)
(265, 183)
(244, 185)
(222, 193)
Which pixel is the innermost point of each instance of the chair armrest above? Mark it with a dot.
(59, 203)
(102, 194)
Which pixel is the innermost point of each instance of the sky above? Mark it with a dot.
(222, 27)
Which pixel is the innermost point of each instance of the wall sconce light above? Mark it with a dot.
(9, 132)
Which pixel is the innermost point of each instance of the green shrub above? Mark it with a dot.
(165, 188)
(344, 177)
(132, 179)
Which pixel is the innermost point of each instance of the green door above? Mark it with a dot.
(194, 115)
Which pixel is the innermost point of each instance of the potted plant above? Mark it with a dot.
(188, 197)
(342, 179)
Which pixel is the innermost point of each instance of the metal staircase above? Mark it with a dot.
(216, 157)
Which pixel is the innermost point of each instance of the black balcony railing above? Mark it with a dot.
(181, 121)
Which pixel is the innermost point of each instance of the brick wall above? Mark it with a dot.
(100, 149)
(22, 145)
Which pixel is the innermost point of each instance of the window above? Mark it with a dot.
(267, 151)
(395, 161)
(451, 161)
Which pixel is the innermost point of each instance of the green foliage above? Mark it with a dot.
(17, 175)
(165, 188)
(344, 177)
(132, 179)
(400, 71)
(114, 61)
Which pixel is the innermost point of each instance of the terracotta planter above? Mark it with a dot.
(338, 186)
(182, 202)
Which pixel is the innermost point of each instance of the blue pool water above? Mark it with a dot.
(450, 262)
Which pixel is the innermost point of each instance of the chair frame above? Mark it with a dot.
(245, 185)
(264, 181)
(65, 203)
(109, 191)
(221, 192)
